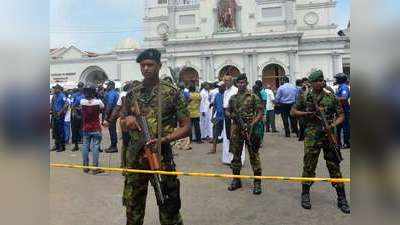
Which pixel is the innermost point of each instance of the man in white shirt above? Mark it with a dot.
(230, 90)
(270, 117)
(205, 117)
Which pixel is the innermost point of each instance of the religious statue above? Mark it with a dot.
(227, 14)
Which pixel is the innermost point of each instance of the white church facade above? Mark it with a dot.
(206, 39)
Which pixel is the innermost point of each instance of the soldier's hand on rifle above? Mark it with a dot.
(164, 140)
(152, 142)
(131, 123)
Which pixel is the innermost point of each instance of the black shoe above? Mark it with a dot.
(346, 146)
(76, 148)
(62, 149)
(257, 188)
(305, 197)
(275, 131)
(236, 184)
(111, 150)
(342, 203)
(301, 138)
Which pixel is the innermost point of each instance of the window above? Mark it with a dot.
(272, 12)
(162, 1)
(187, 2)
(187, 19)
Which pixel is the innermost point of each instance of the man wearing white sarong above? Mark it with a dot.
(205, 115)
(229, 92)
(211, 96)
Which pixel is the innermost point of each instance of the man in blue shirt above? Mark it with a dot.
(59, 107)
(76, 116)
(111, 99)
(218, 117)
(284, 100)
(343, 94)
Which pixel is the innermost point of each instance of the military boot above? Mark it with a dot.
(257, 185)
(305, 196)
(341, 200)
(236, 183)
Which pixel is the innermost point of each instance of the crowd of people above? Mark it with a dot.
(225, 111)
(207, 106)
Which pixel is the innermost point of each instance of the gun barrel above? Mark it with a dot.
(155, 180)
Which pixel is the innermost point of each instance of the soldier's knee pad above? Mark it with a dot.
(171, 190)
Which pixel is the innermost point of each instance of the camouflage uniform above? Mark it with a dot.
(315, 137)
(135, 189)
(245, 105)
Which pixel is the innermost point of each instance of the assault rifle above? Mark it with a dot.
(245, 130)
(330, 135)
(152, 155)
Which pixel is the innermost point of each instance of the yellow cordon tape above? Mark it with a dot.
(291, 179)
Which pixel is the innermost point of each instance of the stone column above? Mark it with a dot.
(255, 66)
(211, 71)
(251, 74)
(203, 72)
(290, 15)
(292, 66)
(245, 59)
(171, 17)
(336, 64)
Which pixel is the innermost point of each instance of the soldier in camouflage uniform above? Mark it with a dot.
(316, 139)
(245, 107)
(173, 110)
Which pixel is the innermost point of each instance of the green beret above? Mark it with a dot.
(151, 53)
(316, 76)
(241, 76)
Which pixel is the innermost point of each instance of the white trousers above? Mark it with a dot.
(206, 125)
(226, 155)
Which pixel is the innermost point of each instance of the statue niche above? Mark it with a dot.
(227, 15)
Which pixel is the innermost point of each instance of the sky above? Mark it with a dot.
(99, 25)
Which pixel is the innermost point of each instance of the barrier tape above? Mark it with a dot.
(168, 173)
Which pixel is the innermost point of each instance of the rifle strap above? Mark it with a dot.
(159, 119)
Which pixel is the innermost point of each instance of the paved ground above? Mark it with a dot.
(83, 199)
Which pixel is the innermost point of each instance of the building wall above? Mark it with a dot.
(78, 67)
(201, 47)
(310, 62)
(291, 16)
(130, 70)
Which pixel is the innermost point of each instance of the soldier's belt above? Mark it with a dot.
(224, 176)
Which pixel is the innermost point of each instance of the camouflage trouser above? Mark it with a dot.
(136, 186)
(135, 190)
(236, 148)
(310, 161)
